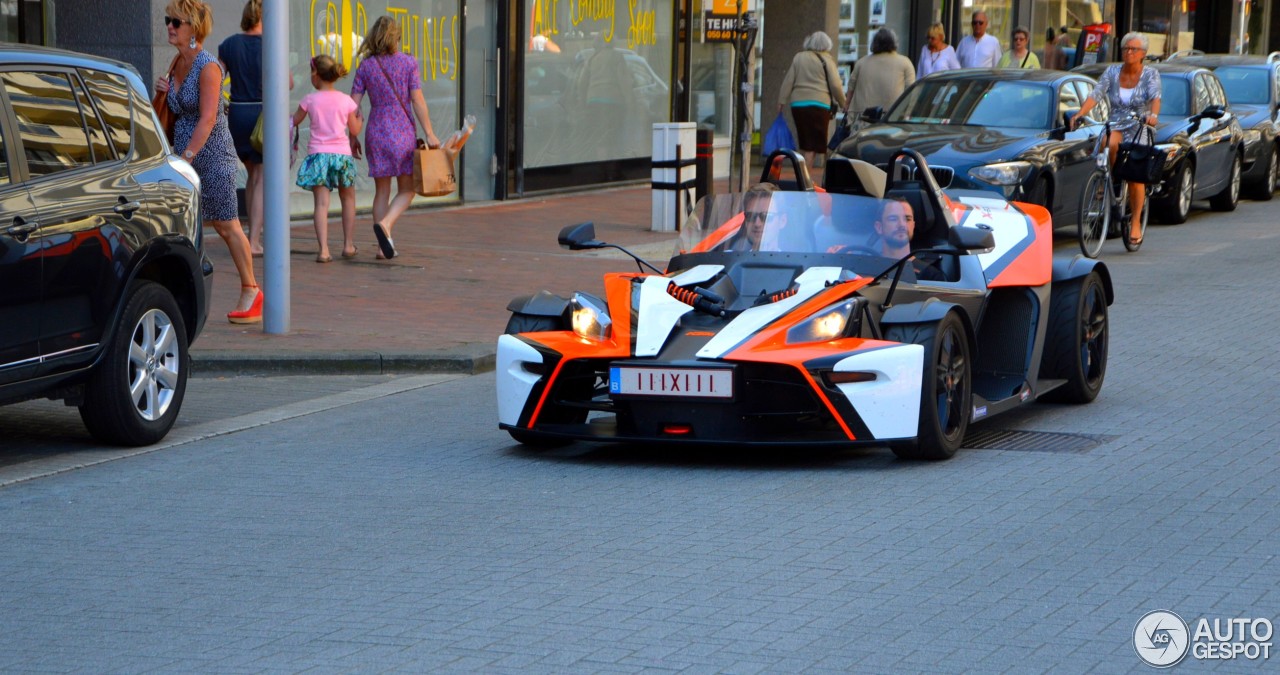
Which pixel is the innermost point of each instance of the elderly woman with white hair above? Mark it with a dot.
(1133, 93)
(812, 89)
(878, 80)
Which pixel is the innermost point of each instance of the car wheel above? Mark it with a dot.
(1175, 207)
(1263, 190)
(1230, 195)
(1076, 348)
(946, 390)
(135, 392)
(1040, 193)
(531, 323)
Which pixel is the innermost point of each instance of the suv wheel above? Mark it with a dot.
(135, 392)
(1174, 208)
(1263, 189)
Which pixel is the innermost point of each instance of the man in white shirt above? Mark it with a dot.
(979, 50)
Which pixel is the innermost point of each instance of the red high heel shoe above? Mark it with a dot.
(251, 315)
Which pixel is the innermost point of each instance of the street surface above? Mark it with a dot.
(384, 523)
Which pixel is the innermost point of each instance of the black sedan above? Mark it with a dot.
(1252, 84)
(1001, 130)
(1202, 139)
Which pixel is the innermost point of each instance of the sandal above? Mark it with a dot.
(324, 258)
(354, 251)
(385, 245)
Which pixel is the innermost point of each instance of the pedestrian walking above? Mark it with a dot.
(936, 55)
(193, 91)
(241, 57)
(879, 79)
(1054, 58)
(1133, 94)
(979, 49)
(393, 82)
(329, 166)
(1020, 54)
(811, 88)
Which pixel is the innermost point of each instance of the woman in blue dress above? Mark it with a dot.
(200, 136)
(1133, 91)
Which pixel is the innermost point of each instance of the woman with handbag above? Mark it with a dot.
(193, 90)
(811, 87)
(392, 81)
(1133, 92)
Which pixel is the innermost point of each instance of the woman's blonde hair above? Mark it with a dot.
(252, 15)
(195, 13)
(938, 31)
(327, 68)
(383, 38)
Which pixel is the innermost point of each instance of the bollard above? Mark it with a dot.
(705, 169)
(674, 152)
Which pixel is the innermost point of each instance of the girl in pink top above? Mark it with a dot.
(329, 164)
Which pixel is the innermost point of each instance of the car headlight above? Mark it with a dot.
(839, 320)
(1003, 173)
(590, 317)
(1172, 153)
(1252, 136)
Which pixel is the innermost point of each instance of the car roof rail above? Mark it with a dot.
(1184, 52)
(1273, 57)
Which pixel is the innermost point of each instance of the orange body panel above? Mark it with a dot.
(1034, 266)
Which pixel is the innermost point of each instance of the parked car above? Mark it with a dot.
(1001, 130)
(103, 278)
(1201, 136)
(811, 336)
(1252, 85)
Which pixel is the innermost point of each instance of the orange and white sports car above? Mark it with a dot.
(796, 318)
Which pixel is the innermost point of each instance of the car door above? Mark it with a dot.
(1211, 139)
(85, 197)
(20, 273)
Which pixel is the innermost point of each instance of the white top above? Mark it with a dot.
(1126, 94)
(984, 53)
(932, 62)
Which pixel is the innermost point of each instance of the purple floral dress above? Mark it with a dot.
(389, 138)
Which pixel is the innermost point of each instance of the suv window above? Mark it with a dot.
(1200, 90)
(97, 137)
(49, 122)
(111, 93)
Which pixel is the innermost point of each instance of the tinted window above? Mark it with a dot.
(4, 160)
(1173, 96)
(1216, 95)
(981, 102)
(49, 122)
(1244, 85)
(1202, 99)
(102, 152)
(147, 140)
(111, 95)
(1068, 99)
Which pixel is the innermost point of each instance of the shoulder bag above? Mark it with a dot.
(433, 174)
(160, 103)
(1139, 160)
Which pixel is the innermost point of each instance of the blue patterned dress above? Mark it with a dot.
(216, 161)
(1121, 119)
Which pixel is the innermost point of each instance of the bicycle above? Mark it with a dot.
(1103, 202)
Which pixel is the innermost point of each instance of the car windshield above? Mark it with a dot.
(1173, 96)
(1245, 85)
(1022, 105)
(787, 224)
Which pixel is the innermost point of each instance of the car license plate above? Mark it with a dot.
(686, 382)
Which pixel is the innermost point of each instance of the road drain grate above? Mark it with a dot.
(1032, 441)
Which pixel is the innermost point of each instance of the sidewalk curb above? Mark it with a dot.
(465, 359)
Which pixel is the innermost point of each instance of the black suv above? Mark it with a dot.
(1252, 85)
(103, 278)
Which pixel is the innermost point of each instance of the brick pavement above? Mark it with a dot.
(444, 296)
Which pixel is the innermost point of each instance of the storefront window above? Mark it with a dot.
(596, 79)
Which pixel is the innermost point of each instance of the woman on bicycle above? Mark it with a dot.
(1133, 93)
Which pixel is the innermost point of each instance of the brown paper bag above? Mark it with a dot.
(433, 172)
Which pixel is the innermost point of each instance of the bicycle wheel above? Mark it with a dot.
(1129, 244)
(1095, 214)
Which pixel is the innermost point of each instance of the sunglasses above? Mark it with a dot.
(1132, 49)
(175, 22)
(758, 215)
(978, 23)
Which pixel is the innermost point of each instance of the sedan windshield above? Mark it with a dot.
(1245, 85)
(1021, 105)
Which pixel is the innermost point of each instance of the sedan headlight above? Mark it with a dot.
(1172, 153)
(1252, 136)
(590, 317)
(1003, 173)
(839, 320)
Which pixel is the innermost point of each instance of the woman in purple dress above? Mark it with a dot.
(391, 80)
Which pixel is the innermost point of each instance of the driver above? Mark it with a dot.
(896, 226)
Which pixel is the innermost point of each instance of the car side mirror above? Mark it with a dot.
(579, 237)
(968, 238)
(873, 114)
(1216, 112)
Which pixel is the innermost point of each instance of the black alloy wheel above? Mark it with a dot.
(1077, 346)
(1175, 207)
(1230, 195)
(946, 389)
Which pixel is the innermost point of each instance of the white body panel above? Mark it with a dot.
(809, 284)
(890, 405)
(514, 383)
(659, 312)
(1009, 226)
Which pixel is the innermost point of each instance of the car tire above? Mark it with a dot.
(1230, 195)
(1040, 193)
(1174, 208)
(532, 323)
(1264, 189)
(134, 394)
(1077, 344)
(946, 389)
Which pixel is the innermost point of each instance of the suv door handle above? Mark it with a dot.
(21, 228)
(126, 208)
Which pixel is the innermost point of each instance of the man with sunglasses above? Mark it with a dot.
(756, 214)
(979, 49)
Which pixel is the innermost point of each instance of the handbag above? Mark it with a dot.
(255, 138)
(164, 115)
(1138, 161)
(842, 127)
(433, 174)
